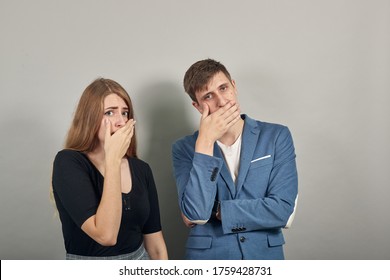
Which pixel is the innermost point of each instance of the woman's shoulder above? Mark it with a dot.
(139, 163)
(67, 155)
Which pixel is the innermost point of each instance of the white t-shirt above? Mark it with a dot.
(232, 156)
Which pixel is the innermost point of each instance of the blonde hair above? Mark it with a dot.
(82, 134)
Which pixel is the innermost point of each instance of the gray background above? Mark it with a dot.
(320, 67)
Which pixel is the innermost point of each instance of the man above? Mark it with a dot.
(236, 177)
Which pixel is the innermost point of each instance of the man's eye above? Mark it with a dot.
(223, 88)
(207, 96)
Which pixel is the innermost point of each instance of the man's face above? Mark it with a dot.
(216, 94)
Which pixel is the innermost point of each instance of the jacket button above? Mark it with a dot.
(214, 174)
(242, 239)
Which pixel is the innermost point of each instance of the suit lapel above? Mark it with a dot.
(225, 173)
(250, 137)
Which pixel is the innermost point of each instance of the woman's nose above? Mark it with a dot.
(120, 121)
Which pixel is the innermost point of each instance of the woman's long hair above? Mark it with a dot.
(83, 132)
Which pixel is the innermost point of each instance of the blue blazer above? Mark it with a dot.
(254, 210)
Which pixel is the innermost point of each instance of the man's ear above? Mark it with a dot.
(197, 107)
(234, 84)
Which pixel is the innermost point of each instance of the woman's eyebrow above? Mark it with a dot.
(111, 107)
(116, 107)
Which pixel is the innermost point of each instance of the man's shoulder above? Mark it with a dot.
(267, 131)
(272, 126)
(264, 125)
(187, 140)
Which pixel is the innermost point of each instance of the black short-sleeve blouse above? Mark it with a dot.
(78, 186)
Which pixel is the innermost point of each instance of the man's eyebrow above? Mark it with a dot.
(223, 85)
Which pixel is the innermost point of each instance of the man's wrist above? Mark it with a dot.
(204, 146)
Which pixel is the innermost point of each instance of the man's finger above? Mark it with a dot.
(206, 110)
(226, 108)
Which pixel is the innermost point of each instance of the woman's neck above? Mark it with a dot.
(97, 157)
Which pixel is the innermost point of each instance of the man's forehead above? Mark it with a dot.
(215, 81)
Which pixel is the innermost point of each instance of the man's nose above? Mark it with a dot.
(221, 100)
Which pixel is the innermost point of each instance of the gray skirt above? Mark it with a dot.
(139, 254)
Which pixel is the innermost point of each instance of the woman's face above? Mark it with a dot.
(116, 112)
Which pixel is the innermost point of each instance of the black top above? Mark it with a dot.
(78, 187)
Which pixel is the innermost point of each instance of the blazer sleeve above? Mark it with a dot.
(196, 176)
(275, 208)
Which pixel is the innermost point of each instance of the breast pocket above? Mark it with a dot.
(258, 176)
(260, 161)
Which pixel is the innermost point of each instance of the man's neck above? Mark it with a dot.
(230, 137)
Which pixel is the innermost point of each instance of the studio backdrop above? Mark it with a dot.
(321, 68)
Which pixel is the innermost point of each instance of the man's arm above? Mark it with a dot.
(196, 170)
(196, 176)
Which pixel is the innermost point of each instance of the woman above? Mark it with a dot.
(106, 196)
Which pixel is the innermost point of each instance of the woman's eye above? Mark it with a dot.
(126, 114)
(109, 113)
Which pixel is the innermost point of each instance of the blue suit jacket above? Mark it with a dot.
(254, 210)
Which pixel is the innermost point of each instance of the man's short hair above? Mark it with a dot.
(199, 74)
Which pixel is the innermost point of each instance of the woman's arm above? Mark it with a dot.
(155, 246)
(103, 227)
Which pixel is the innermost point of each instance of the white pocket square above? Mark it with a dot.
(260, 158)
